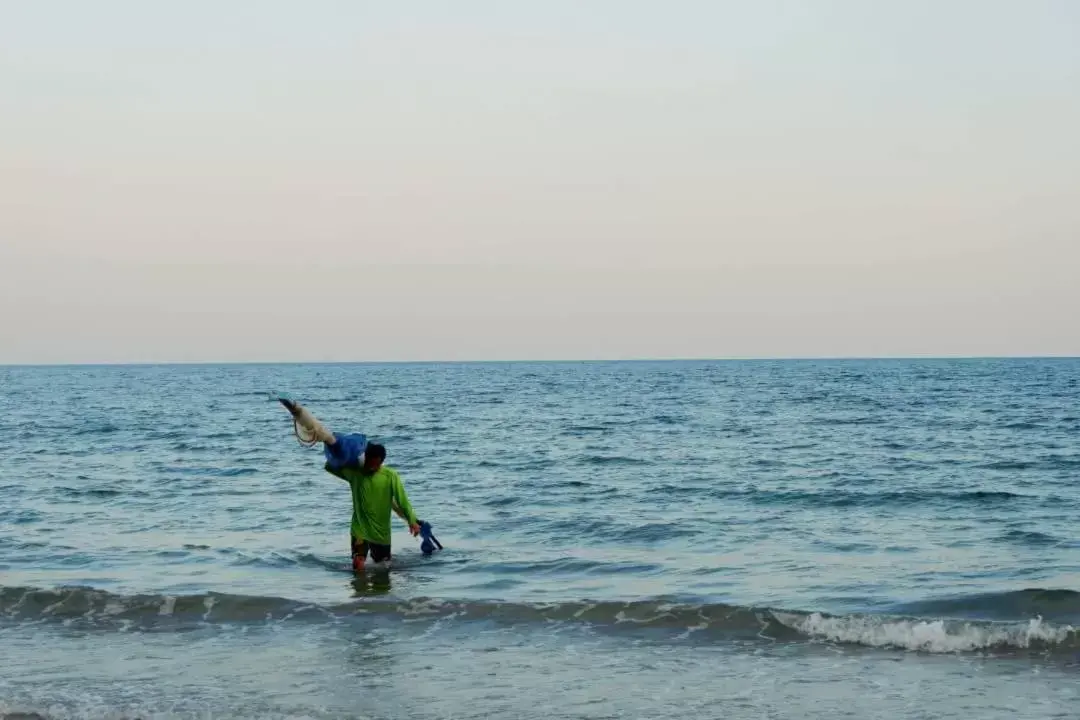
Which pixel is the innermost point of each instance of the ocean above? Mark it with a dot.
(737, 539)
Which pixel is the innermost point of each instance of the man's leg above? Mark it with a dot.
(379, 553)
(359, 553)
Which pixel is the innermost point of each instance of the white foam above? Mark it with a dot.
(935, 636)
(48, 609)
(168, 605)
(583, 610)
(693, 629)
(17, 606)
(424, 607)
(621, 617)
(113, 606)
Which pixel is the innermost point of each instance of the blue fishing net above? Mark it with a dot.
(348, 451)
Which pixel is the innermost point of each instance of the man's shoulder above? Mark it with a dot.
(389, 475)
(350, 472)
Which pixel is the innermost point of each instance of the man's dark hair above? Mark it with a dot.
(375, 451)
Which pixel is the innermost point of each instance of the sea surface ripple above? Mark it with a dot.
(921, 507)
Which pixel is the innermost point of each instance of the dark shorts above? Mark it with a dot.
(362, 548)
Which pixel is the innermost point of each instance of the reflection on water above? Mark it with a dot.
(373, 582)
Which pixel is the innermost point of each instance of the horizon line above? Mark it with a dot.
(521, 361)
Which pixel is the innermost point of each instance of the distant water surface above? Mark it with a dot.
(878, 539)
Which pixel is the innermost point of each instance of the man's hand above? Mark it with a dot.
(415, 529)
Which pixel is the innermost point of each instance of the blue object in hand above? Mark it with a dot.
(346, 451)
(428, 541)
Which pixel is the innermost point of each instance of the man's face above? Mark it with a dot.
(372, 464)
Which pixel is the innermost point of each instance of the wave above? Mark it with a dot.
(939, 636)
(610, 460)
(577, 430)
(1029, 537)
(88, 607)
(210, 471)
(1049, 462)
(844, 421)
(842, 498)
(1022, 425)
(1056, 605)
(99, 492)
(1008, 465)
(104, 428)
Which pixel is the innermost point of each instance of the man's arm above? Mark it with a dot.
(402, 506)
(336, 472)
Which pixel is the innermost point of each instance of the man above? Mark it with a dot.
(376, 491)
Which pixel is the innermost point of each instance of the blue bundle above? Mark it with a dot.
(348, 451)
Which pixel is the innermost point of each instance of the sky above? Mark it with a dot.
(592, 179)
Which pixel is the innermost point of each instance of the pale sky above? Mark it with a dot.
(344, 180)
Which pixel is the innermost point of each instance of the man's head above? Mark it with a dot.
(374, 455)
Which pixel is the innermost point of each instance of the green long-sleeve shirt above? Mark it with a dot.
(374, 497)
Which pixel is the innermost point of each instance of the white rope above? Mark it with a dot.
(306, 427)
(305, 436)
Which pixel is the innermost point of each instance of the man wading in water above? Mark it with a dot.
(376, 491)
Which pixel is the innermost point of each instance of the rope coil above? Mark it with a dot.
(308, 430)
(305, 436)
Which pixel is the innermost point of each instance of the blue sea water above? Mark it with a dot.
(787, 539)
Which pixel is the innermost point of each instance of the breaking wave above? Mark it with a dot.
(937, 636)
(1048, 633)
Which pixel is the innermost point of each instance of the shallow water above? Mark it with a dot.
(738, 539)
